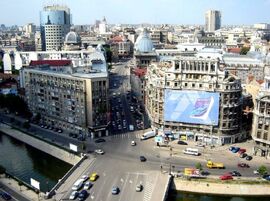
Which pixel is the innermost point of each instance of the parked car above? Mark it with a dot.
(235, 173)
(182, 142)
(242, 150)
(139, 188)
(87, 185)
(243, 155)
(266, 177)
(115, 190)
(235, 150)
(133, 143)
(248, 158)
(243, 165)
(99, 151)
(5, 196)
(99, 140)
(73, 195)
(226, 177)
(83, 195)
(84, 177)
(142, 159)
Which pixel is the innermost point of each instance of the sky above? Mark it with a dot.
(234, 12)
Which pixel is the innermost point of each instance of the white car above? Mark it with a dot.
(99, 151)
(133, 143)
(87, 185)
(84, 177)
(73, 195)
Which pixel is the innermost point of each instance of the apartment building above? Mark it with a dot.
(74, 99)
(261, 120)
(194, 99)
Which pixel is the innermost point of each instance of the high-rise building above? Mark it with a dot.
(212, 20)
(54, 25)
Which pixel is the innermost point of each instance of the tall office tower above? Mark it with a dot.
(212, 20)
(54, 25)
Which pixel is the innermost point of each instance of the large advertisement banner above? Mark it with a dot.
(197, 107)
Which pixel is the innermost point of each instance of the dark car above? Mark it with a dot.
(243, 155)
(248, 158)
(266, 177)
(182, 142)
(142, 159)
(5, 196)
(243, 165)
(99, 140)
(235, 173)
(83, 195)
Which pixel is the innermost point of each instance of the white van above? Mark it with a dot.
(148, 134)
(191, 151)
(77, 185)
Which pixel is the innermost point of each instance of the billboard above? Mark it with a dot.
(34, 183)
(73, 147)
(194, 107)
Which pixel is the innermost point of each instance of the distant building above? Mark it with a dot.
(261, 121)
(74, 99)
(72, 41)
(55, 23)
(103, 26)
(212, 20)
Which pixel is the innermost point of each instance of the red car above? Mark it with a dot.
(226, 177)
(243, 165)
(242, 151)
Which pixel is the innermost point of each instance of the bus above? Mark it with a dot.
(191, 151)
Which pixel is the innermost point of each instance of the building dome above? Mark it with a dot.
(72, 38)
(144, 43)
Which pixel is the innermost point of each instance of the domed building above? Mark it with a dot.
(144, 51)
(72, 41)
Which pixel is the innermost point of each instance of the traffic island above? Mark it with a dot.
(236, 187)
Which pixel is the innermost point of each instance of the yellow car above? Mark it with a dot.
(93, 176)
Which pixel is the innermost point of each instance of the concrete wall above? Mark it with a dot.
(221, 188)
(41, 145)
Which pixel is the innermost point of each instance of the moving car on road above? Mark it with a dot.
(99, 140)
(139, 188)
(182, 142)
(133, 143)
(93, 176)
(99, 151)
(142, 159)
(115, 190)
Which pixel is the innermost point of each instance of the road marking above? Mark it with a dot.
(130, 181)
(122, 180)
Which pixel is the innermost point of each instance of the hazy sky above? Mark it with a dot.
(236, 12)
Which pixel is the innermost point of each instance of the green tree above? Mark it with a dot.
(262, 170)
(83, 146)
(26, 125)
(198, 166)
(20, 185)
(244, 50)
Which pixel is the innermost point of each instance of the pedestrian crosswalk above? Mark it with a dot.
(149, 187)
(128, 135)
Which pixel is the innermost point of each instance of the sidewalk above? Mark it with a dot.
(28, 194)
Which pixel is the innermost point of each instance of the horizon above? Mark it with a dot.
(172, 12)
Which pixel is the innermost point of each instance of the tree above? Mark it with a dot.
(198, 166)
(26, 125)
(244, 50)
(20, 185)
(262, 170)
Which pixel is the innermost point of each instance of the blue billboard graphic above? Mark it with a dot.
(195, 107)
